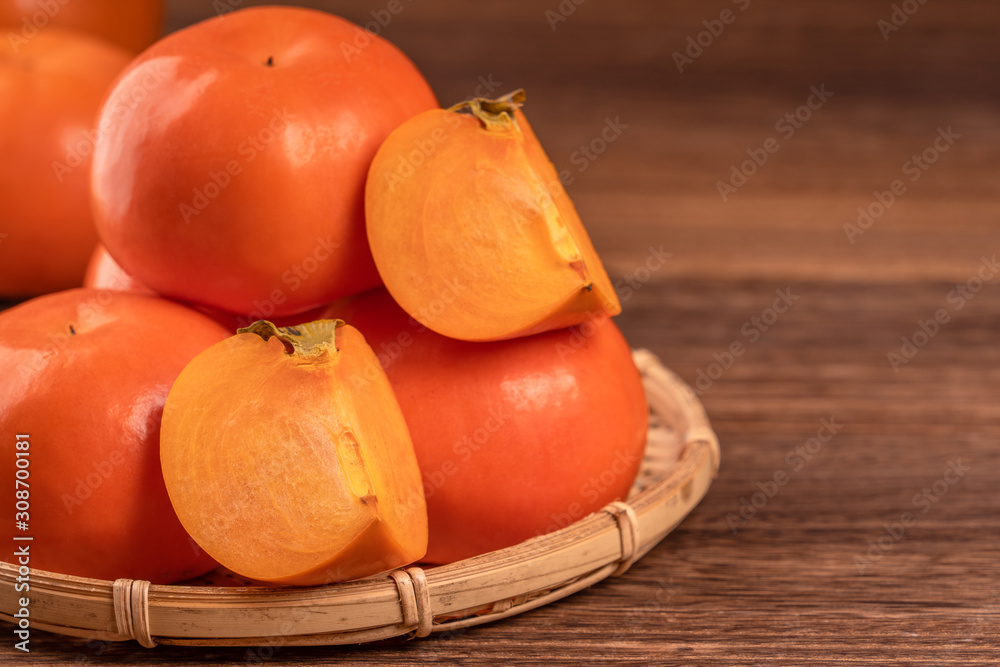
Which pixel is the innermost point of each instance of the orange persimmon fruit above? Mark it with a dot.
(288, 463)
(130, 24)
(514, 438)
(233, 169)
(103, 272)
(472, 231)
(51, 87)
(86, 374)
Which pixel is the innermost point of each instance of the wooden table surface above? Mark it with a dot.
(881, 545)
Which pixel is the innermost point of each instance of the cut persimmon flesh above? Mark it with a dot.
(472, 231)
(287, 458)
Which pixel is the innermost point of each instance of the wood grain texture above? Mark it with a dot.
(819, 574)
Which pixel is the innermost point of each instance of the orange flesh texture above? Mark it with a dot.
(480, 242)
(604, 292)
(293, 468)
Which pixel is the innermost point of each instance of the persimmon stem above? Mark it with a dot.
(309, 339)
(495, 114)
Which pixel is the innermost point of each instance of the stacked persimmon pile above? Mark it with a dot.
(425, 367)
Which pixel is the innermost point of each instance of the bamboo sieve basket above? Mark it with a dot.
(413, 600)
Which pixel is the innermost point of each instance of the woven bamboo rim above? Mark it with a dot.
(411, 600)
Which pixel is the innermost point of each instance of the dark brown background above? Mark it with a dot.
(784, 587)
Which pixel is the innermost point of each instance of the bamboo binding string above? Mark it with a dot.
(131, 600)
(628, 530)
(706, 435)
(120, 592)
(414, 599)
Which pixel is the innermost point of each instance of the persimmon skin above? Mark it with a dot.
(293, 466)
(51, 87)
(86, 376)
(514, 438)
(130, 24)
(103, 272)
(472, 231)
(238, 177)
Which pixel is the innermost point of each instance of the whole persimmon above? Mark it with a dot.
(472, 231)
(51, 88)
(238, 177)
(130, 24)
(86, 375)
(103, 272)
(514, 438)
(288, 465)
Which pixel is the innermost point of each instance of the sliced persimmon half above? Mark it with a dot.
(287, 458)
(472, 231)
